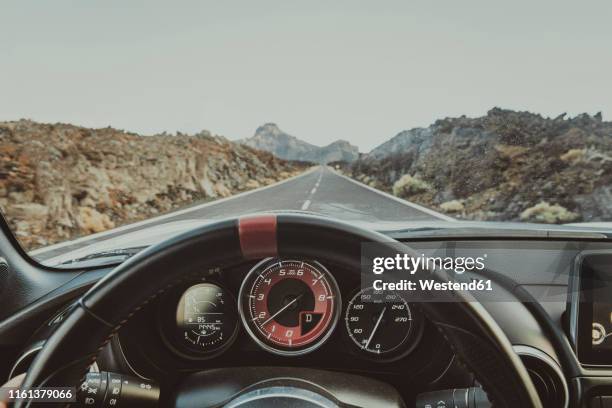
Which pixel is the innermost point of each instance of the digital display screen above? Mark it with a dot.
(594, 335)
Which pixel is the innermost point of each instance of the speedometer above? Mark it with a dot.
(381, 324)
(289, 307)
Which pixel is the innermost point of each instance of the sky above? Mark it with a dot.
(322, 70)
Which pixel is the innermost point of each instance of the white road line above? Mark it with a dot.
(314, 190)
(394, 198)
(165, 216)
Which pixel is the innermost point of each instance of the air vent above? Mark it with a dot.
(546, 376)
(4, 273)
(25, 360)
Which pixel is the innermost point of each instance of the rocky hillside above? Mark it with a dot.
(270, 138)
(506, 165)
(60, 181)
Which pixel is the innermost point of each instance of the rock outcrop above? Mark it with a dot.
(59, 181)
(504, 166)
(270, 138)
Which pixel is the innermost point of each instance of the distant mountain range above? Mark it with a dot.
(270, 138)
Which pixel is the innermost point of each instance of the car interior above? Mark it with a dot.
(96, 328)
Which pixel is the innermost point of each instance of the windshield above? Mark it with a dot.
(143, 121)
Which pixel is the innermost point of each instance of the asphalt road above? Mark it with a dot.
(320, 190)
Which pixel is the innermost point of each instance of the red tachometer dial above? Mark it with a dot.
(289, 307)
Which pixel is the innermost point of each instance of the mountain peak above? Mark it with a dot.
(269, 128)
(271, 138)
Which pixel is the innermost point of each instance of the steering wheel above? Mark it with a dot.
(476, 338)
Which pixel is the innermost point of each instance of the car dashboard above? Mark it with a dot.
(311, 314)
(222, 320)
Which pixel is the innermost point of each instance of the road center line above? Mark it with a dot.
(305, 205)
(314, 190)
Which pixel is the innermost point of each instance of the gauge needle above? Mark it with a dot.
(376, 326)
(282, 309)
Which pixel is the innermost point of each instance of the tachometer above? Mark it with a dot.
(381, 324)
(289, 307)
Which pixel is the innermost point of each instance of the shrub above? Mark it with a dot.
(573, 155)
(408, 185)
(549, 214)
(453, 206)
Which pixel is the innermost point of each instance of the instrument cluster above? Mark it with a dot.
(288, 307)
